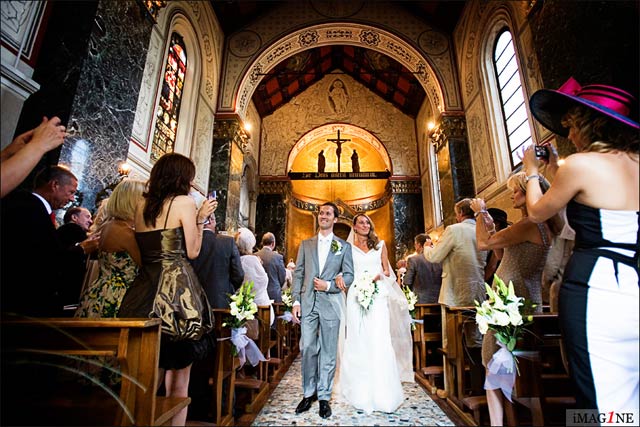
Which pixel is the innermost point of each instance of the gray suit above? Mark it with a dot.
(320, 311)
(273, 264)
(424, 278)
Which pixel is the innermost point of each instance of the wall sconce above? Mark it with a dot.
(430, 125)
(124, 169)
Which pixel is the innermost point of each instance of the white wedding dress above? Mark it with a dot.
(376, 354)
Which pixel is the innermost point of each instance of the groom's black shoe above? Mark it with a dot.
(325, 409)
(305, 403)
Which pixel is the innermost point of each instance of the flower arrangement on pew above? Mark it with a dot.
(502, 313)
(412, 300)
(243, 308)
(287, 301)
(366, 289)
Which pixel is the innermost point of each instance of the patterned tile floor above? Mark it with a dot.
(417, 410)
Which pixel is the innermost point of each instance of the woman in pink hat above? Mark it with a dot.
(598, 302)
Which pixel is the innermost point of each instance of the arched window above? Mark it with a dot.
(164, 136)
(512, 98)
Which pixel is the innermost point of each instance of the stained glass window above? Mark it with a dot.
(164, 137)
(512, 97)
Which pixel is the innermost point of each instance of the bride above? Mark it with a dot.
(377, 349)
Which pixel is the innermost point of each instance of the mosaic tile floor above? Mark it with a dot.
(417, 410)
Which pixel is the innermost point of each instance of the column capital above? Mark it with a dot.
(230, 127)
(450, 125)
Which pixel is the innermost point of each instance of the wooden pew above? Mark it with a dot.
(278, 363)
(258, 387)
(134, 343)
(427, 337)
(543, 385)
(224, 374)
(457, 366)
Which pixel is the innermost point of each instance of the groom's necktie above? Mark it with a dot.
(323, 252)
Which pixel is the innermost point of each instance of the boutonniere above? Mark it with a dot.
(336, 247)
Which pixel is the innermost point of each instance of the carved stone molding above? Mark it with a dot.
(359, 207)
(274, 187)
(231, 129)
(406, 187)
(449, 126)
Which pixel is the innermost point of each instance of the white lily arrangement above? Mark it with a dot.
(287, 299)
(242, 306)
(412, 300)
(501, 313)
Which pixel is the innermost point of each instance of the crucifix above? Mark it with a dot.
(338, 141)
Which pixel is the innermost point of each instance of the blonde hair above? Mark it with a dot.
(519, 180)
(122, 202)
(245, 240)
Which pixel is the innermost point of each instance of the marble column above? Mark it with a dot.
(271, 211)
(90, 70)
(454, 162)
(408, 217)
(227, 158)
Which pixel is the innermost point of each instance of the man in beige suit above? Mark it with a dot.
(462, 266)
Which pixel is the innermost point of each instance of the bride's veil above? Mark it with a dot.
(399, 325)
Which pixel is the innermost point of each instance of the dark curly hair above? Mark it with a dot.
(171, 176)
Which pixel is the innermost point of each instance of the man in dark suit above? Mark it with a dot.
(423, 277)
(30, 248)
(218, 266)
(273, 264)
(220, 273)
(73, 238)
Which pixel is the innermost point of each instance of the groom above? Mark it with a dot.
(324, 269)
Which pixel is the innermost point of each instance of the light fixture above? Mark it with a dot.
(124, 168)
(247, 127)
(430, 125)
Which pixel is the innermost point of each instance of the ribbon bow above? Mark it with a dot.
(501, 371)
(287, 316)
(246, 348)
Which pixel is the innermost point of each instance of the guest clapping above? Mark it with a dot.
(26, 150)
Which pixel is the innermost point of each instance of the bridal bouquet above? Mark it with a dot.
(412, 300)
(366, 288)
(243, 308)
(501, 313)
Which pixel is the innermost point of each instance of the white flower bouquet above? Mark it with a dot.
(287, 299)
(366, 288)
(412, 300)
(501, 313)
(243, 308)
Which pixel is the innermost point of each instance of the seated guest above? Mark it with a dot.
(30, 248)
(218, 266)
(422, 276)
(73, 239)
(252, 266)
(273, 264)
(118, 254)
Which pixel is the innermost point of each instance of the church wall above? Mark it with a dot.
(474, 37)
(408, 221)
(312, 108)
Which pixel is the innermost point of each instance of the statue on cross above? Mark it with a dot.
(338, 141)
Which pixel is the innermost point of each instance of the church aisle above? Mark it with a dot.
(418, 408)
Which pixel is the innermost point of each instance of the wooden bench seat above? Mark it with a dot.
(63, 343)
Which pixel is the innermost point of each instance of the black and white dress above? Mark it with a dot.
(598, 308)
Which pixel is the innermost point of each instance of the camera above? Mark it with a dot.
(542, 152)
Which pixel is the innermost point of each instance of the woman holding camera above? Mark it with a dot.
(598, 302)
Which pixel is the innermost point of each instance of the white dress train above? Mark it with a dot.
(375, 355)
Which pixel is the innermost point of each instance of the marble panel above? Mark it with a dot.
(408, 220)
(106, 96)
(219, 176)
(271, 212)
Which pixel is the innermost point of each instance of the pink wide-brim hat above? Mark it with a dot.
(549, 106)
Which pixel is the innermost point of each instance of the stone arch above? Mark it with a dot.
(330, 129)
(342, 33)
